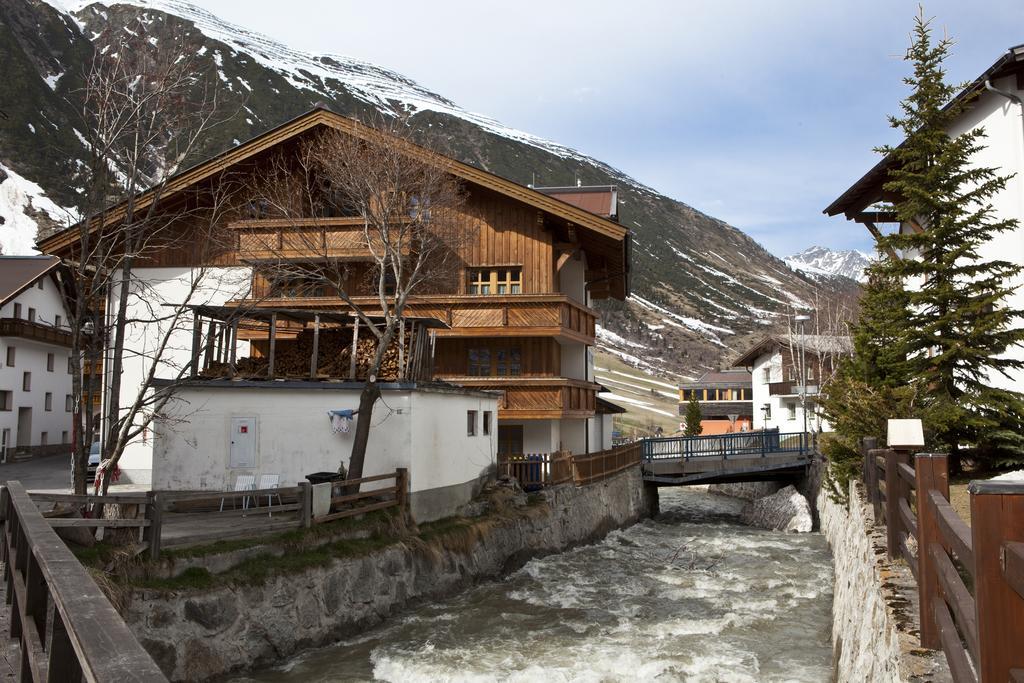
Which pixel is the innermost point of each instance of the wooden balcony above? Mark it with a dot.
(16, 327)
(790, 388)
(537, 398)
(469, 315)
(279, 238)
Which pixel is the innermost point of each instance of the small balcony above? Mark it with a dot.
(273, 239)
(471, 315)
(790, 388)
(537, 398)
(16, 327)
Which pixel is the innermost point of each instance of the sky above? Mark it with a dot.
(757, 112)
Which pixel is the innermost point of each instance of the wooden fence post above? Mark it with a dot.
(305, 505)
(875, 492)
(997, 521)
(155, 515)
(402, 482)
(931, 472)
(895, 489)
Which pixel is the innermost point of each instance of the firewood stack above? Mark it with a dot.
(334, 358)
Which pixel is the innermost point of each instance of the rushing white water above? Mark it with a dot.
(689, 596)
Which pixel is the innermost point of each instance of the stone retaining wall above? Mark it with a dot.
(875, 624)
(201, 635)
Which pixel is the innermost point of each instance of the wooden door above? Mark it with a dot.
(510, 439)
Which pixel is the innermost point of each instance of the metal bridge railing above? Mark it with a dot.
(739, 444)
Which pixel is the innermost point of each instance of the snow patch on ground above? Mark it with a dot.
(1010, 476)
(610, 337)
(617, 398)
(20, 199)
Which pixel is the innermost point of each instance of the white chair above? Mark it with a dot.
(243, 482)
(270, 481)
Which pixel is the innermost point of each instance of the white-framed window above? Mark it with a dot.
(470, 423)
(488, 416)
(766, 375)
(11, 356)
(48, 401)
(69, 403)
(49, 362)
(791, 411)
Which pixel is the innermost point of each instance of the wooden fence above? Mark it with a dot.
(350, 501)
(178, 518)
(537, 470)
(981, 633)
(66, 627)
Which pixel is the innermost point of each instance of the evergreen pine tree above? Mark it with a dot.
(879, 334)
(958, 324)
(693, 416)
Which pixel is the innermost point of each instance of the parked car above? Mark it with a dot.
(90, 468)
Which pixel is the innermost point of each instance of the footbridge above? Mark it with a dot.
(726, 458)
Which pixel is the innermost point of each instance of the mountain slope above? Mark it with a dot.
(701, 288)
(818, 261)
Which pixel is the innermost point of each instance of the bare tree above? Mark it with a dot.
(144, 113)
(404, 231)
(817, 345)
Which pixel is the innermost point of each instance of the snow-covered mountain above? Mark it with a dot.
(700, 287)
(821, 261)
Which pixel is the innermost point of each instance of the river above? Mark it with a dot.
(691, 595)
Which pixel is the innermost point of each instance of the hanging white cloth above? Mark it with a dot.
(341, 420)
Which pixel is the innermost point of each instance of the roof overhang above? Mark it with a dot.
(604, 230)
(855, 202)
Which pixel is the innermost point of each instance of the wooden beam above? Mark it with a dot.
(273, 341)
(316, 346)
(355, 345)
(877, 234)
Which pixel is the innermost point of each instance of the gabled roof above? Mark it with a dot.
(18, 273)
(321, 116)
(813, 343)
(868, 190)
(733, 377)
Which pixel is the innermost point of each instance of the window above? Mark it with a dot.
(64, 437)
(43, 438)
(479, 362)
(40, 283)
(17, 310)
(10, 356)
(496, 281)
(71, 366)
(810, 375)
(6, 400)
(767, 375)
(487, 422)
(31, 315)
(49, 362)
(69, 403)
(791, 411)
(48, 401)
(508, 363)
(57, 321)
(26, 382)
(470, 423)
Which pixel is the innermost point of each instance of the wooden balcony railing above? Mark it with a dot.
(16, 327)
(276, 238)
(538, 397)
(514, 315)
(790, 388)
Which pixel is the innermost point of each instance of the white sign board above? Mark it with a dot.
(905, 434)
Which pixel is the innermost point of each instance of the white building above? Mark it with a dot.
(999, 108)
(35, 382)
(446, 437)
(780, 392)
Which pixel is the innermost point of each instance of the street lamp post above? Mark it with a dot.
(800, 320)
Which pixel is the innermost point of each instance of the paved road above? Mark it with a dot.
(49, 473)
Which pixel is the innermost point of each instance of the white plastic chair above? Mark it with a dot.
(243, 482)
(270, 481)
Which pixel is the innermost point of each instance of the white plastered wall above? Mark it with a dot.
(31, 356)
(153, 287)
(421, 430)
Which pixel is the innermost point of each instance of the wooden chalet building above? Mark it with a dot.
(725, 399)
(517, 321)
